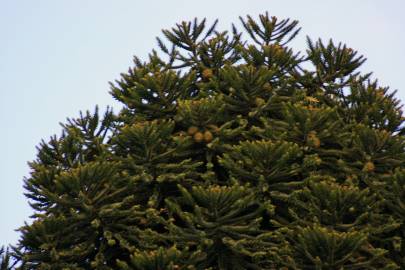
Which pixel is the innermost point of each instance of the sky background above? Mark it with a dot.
(57, 57)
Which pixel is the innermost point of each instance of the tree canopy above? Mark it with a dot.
(231, 151)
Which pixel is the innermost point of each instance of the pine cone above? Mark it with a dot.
(208, 136)
(198, 137)
(192, 130)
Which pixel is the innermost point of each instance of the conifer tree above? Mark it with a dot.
(231, 151)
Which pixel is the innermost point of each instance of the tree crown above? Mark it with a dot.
(229, 153)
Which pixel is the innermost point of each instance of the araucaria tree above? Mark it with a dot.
(231, 151)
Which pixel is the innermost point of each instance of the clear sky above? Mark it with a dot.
(56, 58)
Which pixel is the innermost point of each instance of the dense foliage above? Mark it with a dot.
(232, 151)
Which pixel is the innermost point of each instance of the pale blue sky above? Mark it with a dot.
(57, 56)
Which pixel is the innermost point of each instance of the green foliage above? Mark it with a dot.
(343, 207)
(96, 207)
(229, 153)
(335, 65)
(170, 259)
(394, 196)
(317, 247)
(5, 259)
(374, 106)
(268, 166)
(218, 218)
